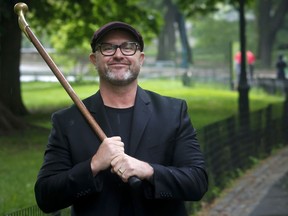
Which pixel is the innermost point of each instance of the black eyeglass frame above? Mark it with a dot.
(115, 47)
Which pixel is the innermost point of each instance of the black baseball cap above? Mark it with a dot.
(98, 34)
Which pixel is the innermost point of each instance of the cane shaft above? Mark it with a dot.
(65, 84)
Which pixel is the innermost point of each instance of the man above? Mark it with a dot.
(250, 57)
(281, 66)
(149, 137)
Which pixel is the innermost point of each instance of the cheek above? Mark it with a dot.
(100, 63)
(137, 63)
(101, 67)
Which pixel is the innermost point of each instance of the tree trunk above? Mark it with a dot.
(270, 20)
(9, 122)
(186, 50)
(166, 44)
(10, 45)
(11, 104)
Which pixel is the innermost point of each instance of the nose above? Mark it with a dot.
(118, 53)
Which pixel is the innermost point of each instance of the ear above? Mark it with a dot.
(92, 58)
(141, 58)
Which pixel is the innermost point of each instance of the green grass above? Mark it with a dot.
(207, 103)
(21, 153)
(21, 157)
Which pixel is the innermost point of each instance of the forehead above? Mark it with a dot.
(117, 35)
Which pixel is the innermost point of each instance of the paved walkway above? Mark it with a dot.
(262, 191)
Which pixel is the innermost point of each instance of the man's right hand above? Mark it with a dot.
(109, 149)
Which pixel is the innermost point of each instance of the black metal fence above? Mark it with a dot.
(273, 86)
(228, 147)
(231, 147)
(35, 211)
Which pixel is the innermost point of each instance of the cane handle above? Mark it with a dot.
(21, 9)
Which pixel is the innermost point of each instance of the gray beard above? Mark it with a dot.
(112, 78)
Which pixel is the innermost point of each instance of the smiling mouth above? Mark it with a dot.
(118, 65)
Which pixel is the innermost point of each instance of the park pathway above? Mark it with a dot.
(262, 191)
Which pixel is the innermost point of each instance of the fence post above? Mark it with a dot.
(233, 139)
(285, 112)
(208, 151)
(268, 129)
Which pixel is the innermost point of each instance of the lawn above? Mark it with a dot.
(21, 153)
(207, 102)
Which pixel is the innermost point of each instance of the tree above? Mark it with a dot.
(176, 13)
(167, 37)
(11, 103)
(271, 15)
(10, 44)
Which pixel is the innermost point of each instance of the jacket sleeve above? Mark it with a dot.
(185, 178)
(59, 182)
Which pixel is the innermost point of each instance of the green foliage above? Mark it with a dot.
(72, 23)
(203, 7)
(254, 160)
(281, 42)
(215, 35)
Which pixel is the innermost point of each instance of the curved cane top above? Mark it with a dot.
(21, 9)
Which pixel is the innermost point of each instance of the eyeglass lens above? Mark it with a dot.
(127, 48)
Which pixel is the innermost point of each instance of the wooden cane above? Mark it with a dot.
(21, 9)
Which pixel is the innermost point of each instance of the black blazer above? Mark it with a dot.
(161, 135)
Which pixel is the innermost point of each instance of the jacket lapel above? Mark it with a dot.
(96, 107)
(141, 116)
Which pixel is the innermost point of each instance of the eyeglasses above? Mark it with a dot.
(126, 48)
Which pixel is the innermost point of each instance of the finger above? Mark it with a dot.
(120, 171)
(116, 138)
(117, 159)
(122, 174)
(124, 177)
